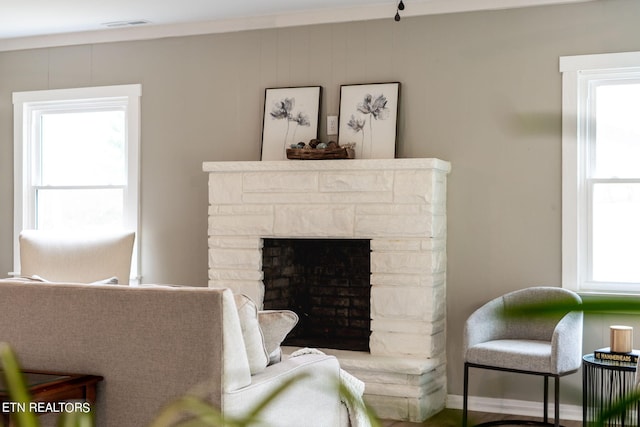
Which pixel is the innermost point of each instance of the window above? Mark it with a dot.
(601, 173)
(76, 160)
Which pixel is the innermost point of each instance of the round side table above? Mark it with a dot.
(603, 384)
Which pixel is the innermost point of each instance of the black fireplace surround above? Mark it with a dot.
(327, 283)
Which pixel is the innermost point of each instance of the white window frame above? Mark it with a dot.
(25, 108)
(578, 72)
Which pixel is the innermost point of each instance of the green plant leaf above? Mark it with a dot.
(618, 408)
(75, 419)
(253, 415)
(354, 402)
(193, 411)
(589, 304)
(16, 385)
(182, 411)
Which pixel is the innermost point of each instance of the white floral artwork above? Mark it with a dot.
(368, 119)
(291, 115)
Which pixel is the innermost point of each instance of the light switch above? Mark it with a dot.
(332, 125)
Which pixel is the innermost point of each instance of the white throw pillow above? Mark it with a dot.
(252, 334)
(275, 325)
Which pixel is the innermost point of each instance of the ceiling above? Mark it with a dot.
(37, 23)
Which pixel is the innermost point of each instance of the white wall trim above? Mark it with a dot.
(522, 408)
(579, 72)
(292, 19)
(572, 175)
(24, 104)
(600, 61)
(130, 90)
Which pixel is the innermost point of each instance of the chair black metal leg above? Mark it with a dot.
(546, 399)
(546, 423)
(557, 401)
(465, 395)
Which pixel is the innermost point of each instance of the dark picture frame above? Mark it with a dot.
(368, 118)
(291, 115)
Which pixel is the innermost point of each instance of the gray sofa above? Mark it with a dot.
(154, 344)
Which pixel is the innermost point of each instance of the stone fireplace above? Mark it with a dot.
(399, 207)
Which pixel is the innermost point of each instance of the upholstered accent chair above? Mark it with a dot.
(499, 336)
(81, 258)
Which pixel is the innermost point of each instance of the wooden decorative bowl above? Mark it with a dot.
(326, 154)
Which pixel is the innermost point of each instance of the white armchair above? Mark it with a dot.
(548, 345)
(76, 258)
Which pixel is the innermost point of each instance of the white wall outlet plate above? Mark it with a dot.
(332, 125)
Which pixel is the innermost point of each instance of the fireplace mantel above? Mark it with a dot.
(400, 205)
(328, 165)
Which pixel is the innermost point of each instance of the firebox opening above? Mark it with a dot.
(327, 283)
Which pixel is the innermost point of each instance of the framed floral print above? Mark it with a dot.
(291, 115)
(368, 119)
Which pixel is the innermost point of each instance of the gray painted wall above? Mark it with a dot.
(481, 90)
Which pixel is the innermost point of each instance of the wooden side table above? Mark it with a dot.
(603, 384)
(49, 388)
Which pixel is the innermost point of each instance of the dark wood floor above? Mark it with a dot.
(453, 418)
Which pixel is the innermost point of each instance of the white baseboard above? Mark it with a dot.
(523, 408)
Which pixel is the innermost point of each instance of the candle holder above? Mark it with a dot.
(621, 338)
